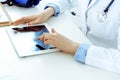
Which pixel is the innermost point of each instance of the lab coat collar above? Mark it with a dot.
(92, 3)
(84, 19)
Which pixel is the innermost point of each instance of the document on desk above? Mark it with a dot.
(25, 43)
(4, 17)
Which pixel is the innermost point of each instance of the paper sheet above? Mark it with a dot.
(4, 20)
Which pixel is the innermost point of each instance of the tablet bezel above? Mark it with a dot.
(31, 53)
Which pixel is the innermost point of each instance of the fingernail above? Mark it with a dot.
(38, 39)
(11, 23)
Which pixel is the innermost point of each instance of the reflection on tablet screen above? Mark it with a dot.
(29, 37)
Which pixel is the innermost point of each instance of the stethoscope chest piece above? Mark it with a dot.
(102, 17)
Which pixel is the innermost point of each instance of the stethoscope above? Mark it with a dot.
(103, 15)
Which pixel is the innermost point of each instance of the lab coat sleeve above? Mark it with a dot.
(64, 5)
(105, 58)
(81, 52)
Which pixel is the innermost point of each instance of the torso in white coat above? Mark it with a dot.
(105, 53)
(103, 33)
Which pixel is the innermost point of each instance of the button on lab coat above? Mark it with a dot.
(105, 36)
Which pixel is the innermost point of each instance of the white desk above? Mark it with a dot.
(54, 66)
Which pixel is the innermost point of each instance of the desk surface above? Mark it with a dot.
(54, 66)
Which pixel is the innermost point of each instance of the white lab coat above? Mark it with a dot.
(105, 36)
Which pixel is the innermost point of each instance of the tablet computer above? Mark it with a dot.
(24, 40)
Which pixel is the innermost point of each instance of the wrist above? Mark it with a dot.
(45, 14)
(49, 12)
(75, 47)
(55, 7)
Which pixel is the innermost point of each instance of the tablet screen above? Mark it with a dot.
(25, 39)
(32, 33)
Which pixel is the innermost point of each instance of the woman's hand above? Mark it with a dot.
(59, 41)
(35, 19)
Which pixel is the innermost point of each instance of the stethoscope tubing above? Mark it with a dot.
(107, 8)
